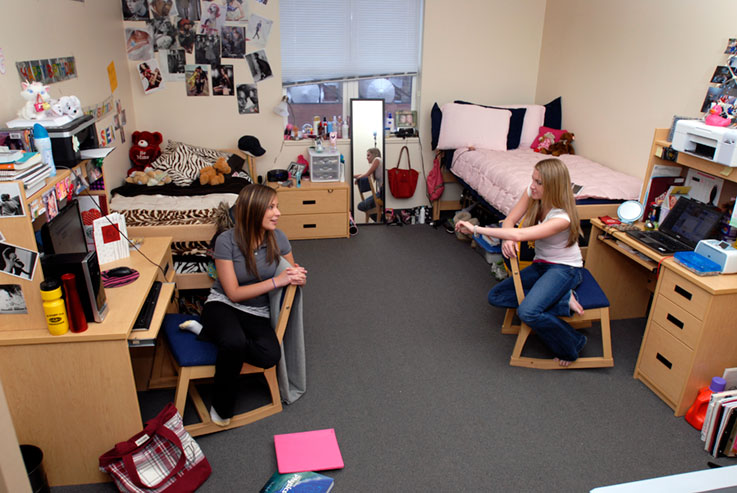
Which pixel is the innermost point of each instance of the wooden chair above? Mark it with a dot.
(596, 307)
(364, 187)
(195, 360)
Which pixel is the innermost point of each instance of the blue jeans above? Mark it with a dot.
(547, 294)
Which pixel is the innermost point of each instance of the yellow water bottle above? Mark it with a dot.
(56, 313)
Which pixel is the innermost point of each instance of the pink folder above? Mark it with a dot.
(307, 451)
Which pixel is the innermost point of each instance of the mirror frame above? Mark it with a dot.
(361, 153)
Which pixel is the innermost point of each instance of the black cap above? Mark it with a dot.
(251, 145)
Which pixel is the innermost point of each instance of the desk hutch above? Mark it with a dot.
(690, 335)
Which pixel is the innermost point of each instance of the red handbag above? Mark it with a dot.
(402, 182)
(435, 182)
(161, 458)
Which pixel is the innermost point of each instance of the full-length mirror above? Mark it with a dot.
(367, 160)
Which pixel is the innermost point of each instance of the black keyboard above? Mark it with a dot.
(147, 310)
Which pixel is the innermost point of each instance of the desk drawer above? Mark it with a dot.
(306, 226)
(312, 201)
(685, 294)
(681, 324)
(665, 361)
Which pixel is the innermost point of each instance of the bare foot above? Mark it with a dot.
(575, 305)
(562, 362)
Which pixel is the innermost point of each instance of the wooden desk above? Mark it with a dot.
(74, 395)
(314, 209)
(690, 336)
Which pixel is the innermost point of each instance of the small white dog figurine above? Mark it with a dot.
(67, 105)
(37, 101)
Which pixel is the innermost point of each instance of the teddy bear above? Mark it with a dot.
(150, 177)
(544, 142)
(562, 146)
(215, 174)
(145, 150)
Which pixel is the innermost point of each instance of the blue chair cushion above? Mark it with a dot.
(589, 293)
(187, 350)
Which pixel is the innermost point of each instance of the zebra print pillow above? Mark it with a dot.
(183, 162)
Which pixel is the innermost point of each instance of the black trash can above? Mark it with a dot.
(33, 459)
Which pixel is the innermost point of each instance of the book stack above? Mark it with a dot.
(27, 168)
(719, 432)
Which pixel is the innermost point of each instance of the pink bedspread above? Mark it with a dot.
(500, 177)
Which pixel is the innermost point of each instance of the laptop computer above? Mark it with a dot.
(689, 222)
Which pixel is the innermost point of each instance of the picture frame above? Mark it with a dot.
(405, 119)
(295, 169)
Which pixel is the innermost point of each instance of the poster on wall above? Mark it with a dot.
(197, 80)
(164, 32)
(207, 49)
(236, 11)
(10, 203)
(172, 64)
(139, 43)
(150, 75)
(247, 99)
(186, 34)
(135, 10)
(258, 30)
(213, 18)
(233, 42)
(11, 299)
(259, 66)
(161, 9)
(17, 261)
(222, 80)
(189, 9)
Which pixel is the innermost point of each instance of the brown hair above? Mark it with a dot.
(557, 194)
(250, 208)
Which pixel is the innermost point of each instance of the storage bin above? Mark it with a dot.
(324, 166)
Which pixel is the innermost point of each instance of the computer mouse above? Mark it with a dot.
(119, 272)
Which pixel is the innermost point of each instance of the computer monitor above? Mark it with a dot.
(64, 233)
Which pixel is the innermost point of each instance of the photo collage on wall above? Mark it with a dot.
(194, 41)
(720, 102)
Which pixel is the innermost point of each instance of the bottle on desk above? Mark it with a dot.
(42, 141)
(56, 314)
(75, 313)
(697, 412)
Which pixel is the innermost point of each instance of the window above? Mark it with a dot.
(335, 50)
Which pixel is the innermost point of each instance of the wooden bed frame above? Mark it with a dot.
(190, 232)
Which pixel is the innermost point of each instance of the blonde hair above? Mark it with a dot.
(375, 152)
(250, 209)
(557, 194)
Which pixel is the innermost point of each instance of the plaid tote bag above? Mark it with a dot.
(161, 458)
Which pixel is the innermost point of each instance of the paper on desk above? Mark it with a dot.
(102, 152)
(111, 238)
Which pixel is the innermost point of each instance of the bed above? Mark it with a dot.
(491, 152)
(184, 209)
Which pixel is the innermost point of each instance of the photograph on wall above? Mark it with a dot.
(213, 18)
(78, 181)
(135, 10)
(94, 173)
(189, 9)
(17, 261)
(172, 64)
(49, 200)
(233, 42)
(11, 204)
(236, 11)
(185, 34)
(712, 96)
(731, 47)
(139, 43)
(11, 299)
(247, 99)
(207, 49)
(259, 65)
(721, 75)
(258, 30)
(161, 9)
(165, 34)
(264, 2)
(222, 80)
(150, 75)
(197, 80)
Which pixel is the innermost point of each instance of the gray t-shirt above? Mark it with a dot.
(227, 249)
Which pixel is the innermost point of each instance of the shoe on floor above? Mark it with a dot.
(215, 417)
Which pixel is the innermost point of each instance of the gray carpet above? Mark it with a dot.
(406, 362)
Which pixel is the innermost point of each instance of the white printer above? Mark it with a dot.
(718, 144)
(720, 252)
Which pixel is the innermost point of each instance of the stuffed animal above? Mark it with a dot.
(562, 146)
(67, 105)
(37, 101)
(150, 177)
(544, 142)
(137, 178)
(215, 174)
(145, 150)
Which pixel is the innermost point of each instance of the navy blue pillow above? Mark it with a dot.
(554, 114)
(436, 118)
(515, 123)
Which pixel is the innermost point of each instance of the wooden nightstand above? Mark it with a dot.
(313, 210)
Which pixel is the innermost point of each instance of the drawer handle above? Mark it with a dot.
(309, 202)
(664, 360)
(674, 321)
(309, 226)
(682, 292)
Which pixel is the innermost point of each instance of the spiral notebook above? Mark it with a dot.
(307, 451)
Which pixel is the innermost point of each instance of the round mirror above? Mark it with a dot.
(630, 211)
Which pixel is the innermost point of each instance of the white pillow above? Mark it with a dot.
(468, 125)
(534, 119)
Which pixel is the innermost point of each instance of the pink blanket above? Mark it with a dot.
(501, 177)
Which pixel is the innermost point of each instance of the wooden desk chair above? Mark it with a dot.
(195, 360)
(366, 185)
(596, 307)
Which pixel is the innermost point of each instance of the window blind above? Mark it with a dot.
(343, 39)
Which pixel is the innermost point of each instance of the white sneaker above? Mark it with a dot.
(215, 417)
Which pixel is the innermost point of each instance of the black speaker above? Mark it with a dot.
(86, 270)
